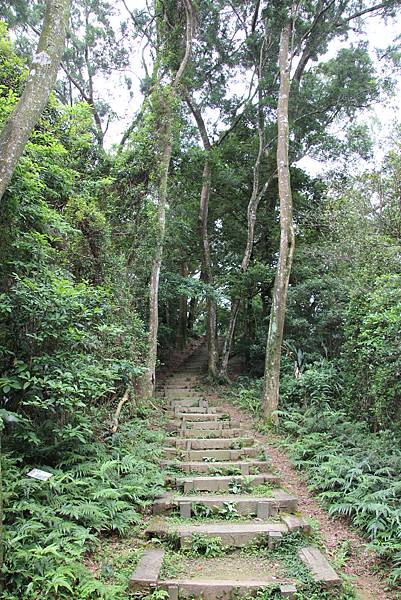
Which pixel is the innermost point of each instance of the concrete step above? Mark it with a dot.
(221, 589)
(211, 444)
(322, 571)
(260, 506)
(231, 534)
(191, 410)
(222, 483)
(203, 417)
(212, 434)
(184, 403)
(173, 394)
(222, 424)
(183, 427)
(241, 467)
(218, 455)
(204, 408)
(147, 572)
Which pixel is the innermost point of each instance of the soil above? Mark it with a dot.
(236, 566)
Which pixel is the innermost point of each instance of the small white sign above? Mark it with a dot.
(39, 474)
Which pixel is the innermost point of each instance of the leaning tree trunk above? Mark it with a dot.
(287, 239)
(166, 139)
(41, 78)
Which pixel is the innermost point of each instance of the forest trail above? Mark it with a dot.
(226, 488)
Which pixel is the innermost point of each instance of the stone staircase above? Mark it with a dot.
(212, 464)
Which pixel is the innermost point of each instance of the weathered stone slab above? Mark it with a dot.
(222, 483)
(206, 467)
(322, 571)
(217, 433)
(194, 410)
(220, 455)
(146, 574)
(231, 534)
(204, 416)
(244, 504)
(210, 444)
(288, 591)
(184, 402)
(177, 394)
(295, 523)
(214, 589)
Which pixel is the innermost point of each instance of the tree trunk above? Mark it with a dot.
(183, 314)
(211, 307)
(253, 204)
(166, 138)
(287, 238)
(193, 305)
(41, 78)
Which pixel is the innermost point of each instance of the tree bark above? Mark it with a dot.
(253, 204)
(41, 78)
(166, 139)
(183, 314)
(211, 307)
(207, 270)
(287, 238)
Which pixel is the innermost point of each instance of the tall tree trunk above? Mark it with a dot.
(253, 204)
(287, 238)
(39, 84)
(166, 138)
(183, 314)
(211, 308)
(207, 270)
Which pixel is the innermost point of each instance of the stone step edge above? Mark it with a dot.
(223, 443)
(262, 506)
(204, 467)
(321, 570)
(208, 589)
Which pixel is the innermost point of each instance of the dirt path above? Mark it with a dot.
(360, 564)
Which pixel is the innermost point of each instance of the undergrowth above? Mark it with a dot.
(354, 471)
(97, 492)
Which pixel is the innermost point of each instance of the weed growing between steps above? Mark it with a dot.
(96, 496)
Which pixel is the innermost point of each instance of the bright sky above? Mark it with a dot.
(380, 118)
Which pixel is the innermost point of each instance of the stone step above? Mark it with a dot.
(204, 408)
(295, 523)
(175, 394)
(191, 410)
(186, 403)
(244, 467)
(222, 483)
(213, 416)
(260, 506)
(211, 444)
(231, 534)
(219, 455)
(214, 433)
(221, 589)
(147, 571)
(321, 569)
(222, 424)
